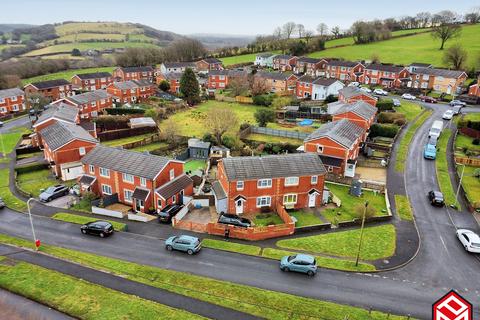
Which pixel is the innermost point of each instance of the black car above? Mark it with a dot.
(53, 192)
(436, 198)
(2, 204)
(98, 228)
(169, 212)
(232, 219)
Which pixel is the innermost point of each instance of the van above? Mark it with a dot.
(436, 129)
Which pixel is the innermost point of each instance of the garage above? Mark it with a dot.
(71, 170)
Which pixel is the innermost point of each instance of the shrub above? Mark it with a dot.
(244, 126)
(263, 100)
(331, 98)
(264, 116)
(164, 85)
(383, 130)
(208, 137)
(385, 104)
(389, 117)
(400, 122)
(476, 141)
(121, 111)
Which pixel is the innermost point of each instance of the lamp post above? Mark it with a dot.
(459, 184)
(35, 241)
(361, 233)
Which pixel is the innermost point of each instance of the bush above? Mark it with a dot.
(384, 104)
(383, 130)
(121, 111)
(264, 116)
(208, 137)
(244, 126)
(389, 117)
(164, 85)
(476, 141)
(400, 122)
(331, 98)
(263, 100)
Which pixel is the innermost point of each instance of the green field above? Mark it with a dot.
(404, 210)
(67, 75)
(105, 27)
(405, 50)
(243, 58)
(6, 46)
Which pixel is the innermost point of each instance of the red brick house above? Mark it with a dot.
(474, 89)
(51, 89)
(310, 66)
(317, 88)
(284, 62)
(359, 112)
(133, 73)
(254, 184)
(130, 91)
(90, 104)
(64, 145)
(144, 181)
(208, 64)
(386, 75)
(173, 78)
(219, 79)
(12, 101)
(338, 144)
(278, 81)
(343, 70)
(352, 94)
(438, 80)
(91, 81)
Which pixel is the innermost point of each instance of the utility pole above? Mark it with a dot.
(361, 233)
(35, 242)
(459, 184)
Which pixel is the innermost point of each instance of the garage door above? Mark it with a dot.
(71, 173)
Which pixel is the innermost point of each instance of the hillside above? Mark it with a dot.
(12, 26)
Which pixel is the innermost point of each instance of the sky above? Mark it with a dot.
(245, 17)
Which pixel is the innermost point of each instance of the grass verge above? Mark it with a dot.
(441, 165)
(232, 247)
(404, 210)
(73, 218)
(10, 200)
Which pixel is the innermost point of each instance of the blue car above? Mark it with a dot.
(429, 152)
(303, 263)
(184, 243)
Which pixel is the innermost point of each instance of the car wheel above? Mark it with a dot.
(49, 199)
(169, 248)
(102, 235)
(466, 247)
(285, 269)
(190, 251)
(310, 273)
(84, 231)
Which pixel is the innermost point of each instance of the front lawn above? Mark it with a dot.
(32, 182)
(151, 147)
(464, 142)
(265, 219)
(74, 218)
(410, 109)
(9, 141)
(471, 185)
(404, 210)
(193, 165)
(123, 141)
(443, 175)
(347, 211)
(378, 243)
(305, 218)
(10, 200)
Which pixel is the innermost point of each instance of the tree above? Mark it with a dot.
(258, 86)
(455, 56)
(280, 102)
(189, 87)
(297, 48)
(219, 121)
(375, 58)
(322, 29)
(288, 29)
(76, 53)
(307, 35)
(300, 30)
(170, 130)
(445, 31)
(335, 31)
(155, 114)
(423, 19)
(277, 33)
(238, 86)
(264, 116)
(8, 81)
(37, 101)
(473, 16)
(360, 209)
(164, 85)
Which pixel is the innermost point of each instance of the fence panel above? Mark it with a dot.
(474, 162)
(279, 133)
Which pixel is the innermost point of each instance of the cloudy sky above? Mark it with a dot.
(246, 17)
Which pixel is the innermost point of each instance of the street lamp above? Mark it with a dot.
(361, 233)
(35, 241)
(459, 184)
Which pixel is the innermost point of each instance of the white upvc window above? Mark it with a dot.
(82, 151)
(128, 195)
(291, 181)
(128, 178)
(13, 98)
(91, 168)
(172, 174)
(143, 182)
(240, 185)
(106, 189)
(264, 201)
(264, 183)
(290, 199)
(319, 148)
(314, 179)
(105, 172)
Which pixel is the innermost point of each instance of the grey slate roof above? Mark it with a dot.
(93, 75)
(140, 193)
(343, 132)
(61, 111)
(218, 190)
(342, 63)
(273, 75)
(317, 80)
(384, 67)
(283, 57)
(230, 73)
(87, 180)
(61, 133)
(331, 161)
(125, 161)
(419, 64)
(125, 85)
(440, 72)
(212, 61)
(349, 92)
(173, 76)
(137, 69)
(14, 92)
(308, 60)
(89, 97)
(273, 166)
(197, 143)
(41, 85)
(174, 186)
(179, 64)
(360, 108)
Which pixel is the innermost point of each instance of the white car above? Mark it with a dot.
(457, 103)
(365, 89)
(380, 92)
(354, 84)
(469, 239)
(408, 96)
(448, 115)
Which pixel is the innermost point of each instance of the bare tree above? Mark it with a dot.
(170, 130)
(322, 29)
(455, 56)
(277, 33)
(300, 30)
(258, 86)
(219, 121)
(445, 31)
(445, 17)
(473, 16)
(238, 86)
(307, 35)
(288, 29)
(423, 19)
(335, 31)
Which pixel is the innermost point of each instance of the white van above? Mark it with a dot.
(436, 129)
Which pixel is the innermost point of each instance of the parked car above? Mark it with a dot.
(167, 213)
(1, 124)
(436, 129)
(53, 192)
(469, 239)
(380, 92)
(303, 263)
(408, 96)
(98, 228)
(429, 152)
(366, 89)
(234, 220)
(2, 204)
(436, 198)
(448, 115)
(428, 99)
(457, 103)
(184, 243)
(432, 141)
(457, 109)
(354, 84)
(396, 103)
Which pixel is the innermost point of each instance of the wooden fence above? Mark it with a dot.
(123, 133)
(474, 162)
(242, 99)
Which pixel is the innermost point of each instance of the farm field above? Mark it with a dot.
(83, 27)
(67, 75)
(244, 58)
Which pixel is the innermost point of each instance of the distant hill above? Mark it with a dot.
(213, 41)
(10, 27)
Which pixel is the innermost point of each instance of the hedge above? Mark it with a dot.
(121, 111)
(383, 130)
(384, 104)
(31, 168)
(263, 99)
(391, 117)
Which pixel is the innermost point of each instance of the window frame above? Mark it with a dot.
(260, 183)
(259, 201)
(288, 181)
(125, 195)
(242, 183)
(105, 170)
(109, 186)
(294, 198)
(124, 178)
(312, 178)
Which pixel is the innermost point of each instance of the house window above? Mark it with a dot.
(106, 189)
(174, 199)
(239, 185)
(314, 179)
(319, 149)
(128, 195)
(105, 172)
(290, 199)
(291, 181)
(91, 168)
(159, 203)
(263, 201)
(264, 183)
(81, 150)
(330, 169)
(143, 182)
(172, 174)
(128, 178)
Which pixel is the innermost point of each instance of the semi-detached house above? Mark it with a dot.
(310, 66)
(134, 91)
(133, 73)
(438, 80)
(255, 184)
(12, 101)
(90, 104)
(317, 88)
(386, 75)
(344, 70)
(278, 82)
(175, 67)
(352, 94)
(51, 89)
(91, 81)
(359, 112)
(284, 62)
(220, 79)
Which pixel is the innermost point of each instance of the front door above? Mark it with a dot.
(180, 197)
(138, 205)
(239, 206)
(312, 200)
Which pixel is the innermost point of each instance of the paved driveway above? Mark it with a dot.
(62, 202)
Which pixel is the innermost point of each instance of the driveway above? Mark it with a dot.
(62, 202)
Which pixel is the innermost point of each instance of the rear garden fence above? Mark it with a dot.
(123, 133)
(474, 162)
(279, 133)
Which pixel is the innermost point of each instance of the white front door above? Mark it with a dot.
(239, 206)
(312, 200)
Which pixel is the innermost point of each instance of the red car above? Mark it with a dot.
(428, 99)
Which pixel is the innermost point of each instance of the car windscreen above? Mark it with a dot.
(50, 190)
(434, 130)
(291, 258)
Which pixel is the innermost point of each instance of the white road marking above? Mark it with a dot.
(444, 245)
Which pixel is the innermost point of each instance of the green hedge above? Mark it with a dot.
(384, 104)
(263, 99)
(120, 111)
(30, 168)
(383, 130)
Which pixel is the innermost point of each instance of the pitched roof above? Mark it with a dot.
(143, 83)
(384, 67)
(179, 64)
(317, 80)
(360, 108)
(419, 64)
(61, 133)
(87, 179)
(283, 56)
(343, 132)
(331, 161)
(125, 161)
(93, 75)
(197, 143)
(218, 190)
(125, 85)
(60, 111)
(308, 60)
(273, 166)
(140, 193)
(230, 73)
(349, 92)
(174, 186)
(343, 63)
(440, 72)
(274, 75)
(13, 92)
(88, 97)
(212, 61)
(41, 85)
(137, 69)
(266, 54)
(173, 75)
